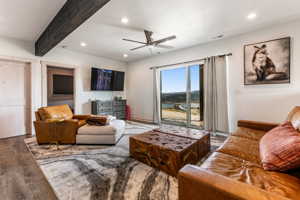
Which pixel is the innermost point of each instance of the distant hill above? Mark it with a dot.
(179, 97)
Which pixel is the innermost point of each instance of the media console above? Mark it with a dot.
(116, 108)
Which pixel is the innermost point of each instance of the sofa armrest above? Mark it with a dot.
(199, 184)
(63, 132)
(262, 126)
(81, 117)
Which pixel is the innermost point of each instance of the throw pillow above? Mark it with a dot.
(280, 148)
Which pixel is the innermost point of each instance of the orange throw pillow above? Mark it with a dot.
(280, 148)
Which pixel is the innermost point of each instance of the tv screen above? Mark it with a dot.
(63, 84)
(107, 80)
(118, 81)
(101, 79)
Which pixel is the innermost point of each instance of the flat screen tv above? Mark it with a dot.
(63, 84)
(118, 81)
(107, 80)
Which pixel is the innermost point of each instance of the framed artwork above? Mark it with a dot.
(267, 62)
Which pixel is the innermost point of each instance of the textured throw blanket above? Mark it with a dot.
(97, 120)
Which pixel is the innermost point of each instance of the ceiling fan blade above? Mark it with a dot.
(164, 46)
(148, 35)
(138, 47)
(128, 40)
(165, 39)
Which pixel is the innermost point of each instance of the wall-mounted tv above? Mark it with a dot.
(63, 84)
(107, 80)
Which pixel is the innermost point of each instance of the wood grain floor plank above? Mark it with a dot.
(20, 176)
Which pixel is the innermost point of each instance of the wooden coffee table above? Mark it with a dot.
(170, 148)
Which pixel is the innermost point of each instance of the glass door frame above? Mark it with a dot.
(188, 96)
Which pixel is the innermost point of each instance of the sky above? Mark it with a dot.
(174, 80)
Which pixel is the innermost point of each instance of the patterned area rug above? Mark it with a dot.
(97, 172)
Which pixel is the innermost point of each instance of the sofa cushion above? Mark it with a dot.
(56, 112)
(251, 173)
(249, 133)
(280, 149)
(243, 148)
(96, 130)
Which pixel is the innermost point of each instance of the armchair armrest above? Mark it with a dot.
(81, 117)
(63, 132)
(199, 184)
(262, 126)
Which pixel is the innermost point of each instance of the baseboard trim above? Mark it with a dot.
(143, 121)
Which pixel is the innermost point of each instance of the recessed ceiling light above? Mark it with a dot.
(125, 20)
(252, 16)
(125, 55)
(83, 44)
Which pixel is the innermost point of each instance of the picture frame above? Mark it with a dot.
(267, 62)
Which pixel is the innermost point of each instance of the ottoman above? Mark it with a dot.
(109, 134)
(170, 149)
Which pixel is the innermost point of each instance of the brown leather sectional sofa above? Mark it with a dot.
(57, 124)
(234, 171)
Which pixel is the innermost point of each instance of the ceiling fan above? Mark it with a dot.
(151, 42)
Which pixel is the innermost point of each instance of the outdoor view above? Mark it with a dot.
(174, 96)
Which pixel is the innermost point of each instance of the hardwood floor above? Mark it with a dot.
(20, 176)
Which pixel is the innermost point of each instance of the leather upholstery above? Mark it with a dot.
(248, 133)
(235, 171)
(262, 126)
(57, 124)
(241, 147)
(51, 132)
(196, 183)
(56, 112)
(253, 174)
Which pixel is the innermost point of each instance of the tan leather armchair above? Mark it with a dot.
(57, 124)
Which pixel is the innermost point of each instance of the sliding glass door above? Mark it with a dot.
(173, 96)
(196, 95)
(182, 96)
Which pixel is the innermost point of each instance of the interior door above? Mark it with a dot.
(14, 98)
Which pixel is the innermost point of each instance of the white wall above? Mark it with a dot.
(269, 103)
(12, 48)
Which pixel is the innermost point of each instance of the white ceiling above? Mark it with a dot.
(26, 19)
(192, 21)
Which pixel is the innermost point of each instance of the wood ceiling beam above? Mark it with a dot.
(70, 17)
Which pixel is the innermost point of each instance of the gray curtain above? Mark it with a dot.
(215, 94)
(156, 96)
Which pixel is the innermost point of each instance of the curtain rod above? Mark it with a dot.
(186, 62)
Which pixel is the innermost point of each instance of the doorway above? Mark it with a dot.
(60, 86)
